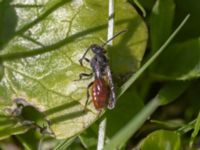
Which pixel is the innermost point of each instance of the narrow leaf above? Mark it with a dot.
(196, 130)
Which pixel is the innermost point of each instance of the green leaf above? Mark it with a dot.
(40, 59)
(169, 124)
(1, 70)
(137, 3)
(134, 77)
(129, 105)
(161, 21)
(127, 51)
(180, 61)
(192, 98)
(191, 30)
(64, 144)
(165, 95)
(8, 126)
(133, 125)
(161, 140)
(30, 113)
(89, 139)
(7, 26)
(147, 4)
(187, 127)
(30, 140)
(171, 91)
(196, 130)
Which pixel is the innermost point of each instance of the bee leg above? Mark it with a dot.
(83, 57)
(81, 75)
(86, 59)
(88, 94)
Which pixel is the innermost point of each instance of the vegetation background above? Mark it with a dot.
(156, 69)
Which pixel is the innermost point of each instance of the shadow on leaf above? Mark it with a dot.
(8, 22)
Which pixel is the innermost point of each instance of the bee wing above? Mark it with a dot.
(112, 99)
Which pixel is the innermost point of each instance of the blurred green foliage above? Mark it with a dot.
(167, 92)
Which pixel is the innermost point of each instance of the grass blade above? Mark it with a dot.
(134, 77)
(123, 135)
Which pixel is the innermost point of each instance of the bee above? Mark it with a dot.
(103, 93)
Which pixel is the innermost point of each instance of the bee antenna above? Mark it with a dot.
(114, 37)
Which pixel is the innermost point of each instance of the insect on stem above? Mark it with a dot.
(103, 93)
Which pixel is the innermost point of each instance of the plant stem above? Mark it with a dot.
(101, 134)
(102, 125)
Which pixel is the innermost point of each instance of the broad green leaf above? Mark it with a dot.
(7, 26)
(40, 59)
(191, 29)
(161, 20)
(1, 70)
(129, 105)
(180, 61)
(171, 91)
(192, 98)
(161, 140)
(126, 53)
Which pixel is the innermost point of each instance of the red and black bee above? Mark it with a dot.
(103, 92)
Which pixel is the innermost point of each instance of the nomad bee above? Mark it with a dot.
(103, 92)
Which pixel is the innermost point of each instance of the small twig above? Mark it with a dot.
(102, 125)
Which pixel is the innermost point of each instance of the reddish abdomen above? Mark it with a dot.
(100, 93)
